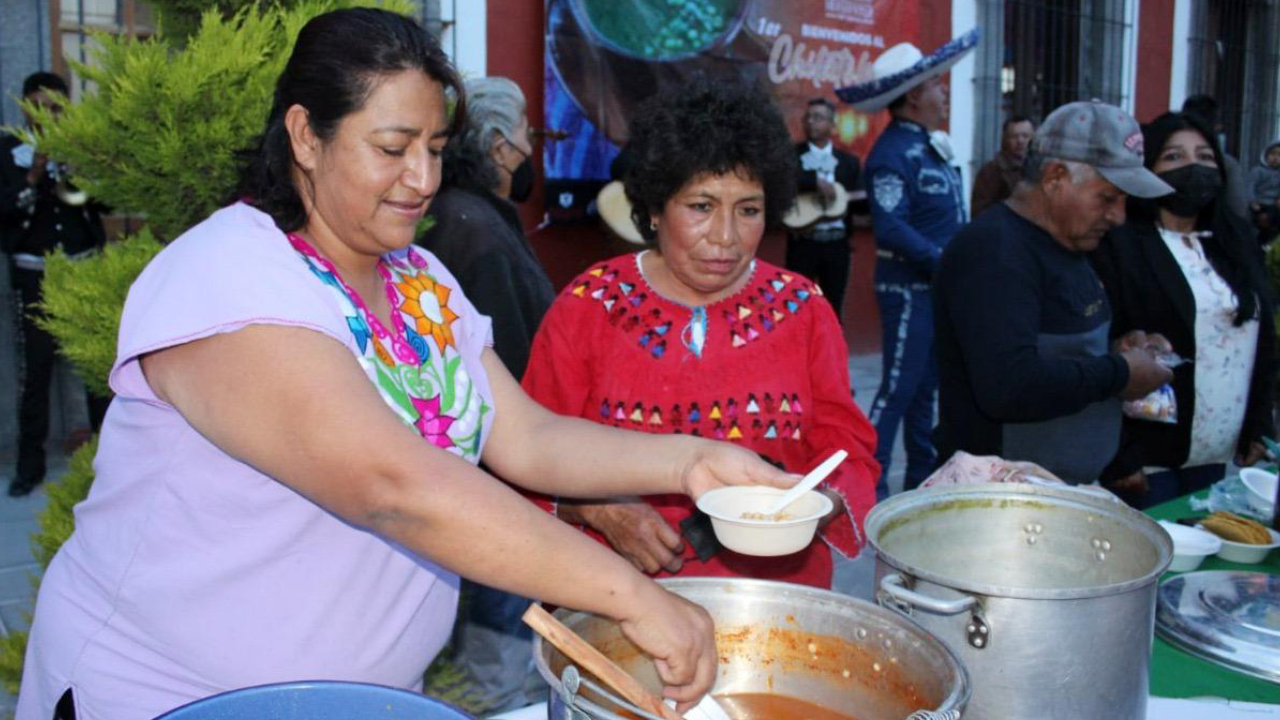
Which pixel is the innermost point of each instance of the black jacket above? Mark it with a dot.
(33, 220)
(1021, 327)
(477, 235)
(848, 174)
(1148, 291)
(848, 168)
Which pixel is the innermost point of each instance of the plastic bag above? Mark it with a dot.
(1159, 405)
(1231, 495)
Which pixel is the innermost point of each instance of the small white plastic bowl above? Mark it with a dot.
(1245, 553)
(765, 538)
(1262, 490)
(1190, 546)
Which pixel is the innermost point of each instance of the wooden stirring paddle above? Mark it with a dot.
(595, 662)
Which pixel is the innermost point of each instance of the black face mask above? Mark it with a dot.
(1194, 187)
(521, 177)
(522, 181)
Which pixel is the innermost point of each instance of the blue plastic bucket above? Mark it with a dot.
(318, 700)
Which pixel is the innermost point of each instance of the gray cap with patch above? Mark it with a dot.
(1104, 137)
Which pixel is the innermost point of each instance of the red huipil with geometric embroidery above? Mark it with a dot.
(770, 373)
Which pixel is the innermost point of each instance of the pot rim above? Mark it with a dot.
(956, 700)
(891, 509)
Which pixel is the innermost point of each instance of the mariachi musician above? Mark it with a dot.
(819, 248)
(40, 212)
(917, 204)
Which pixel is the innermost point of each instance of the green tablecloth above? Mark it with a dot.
(1178, 674)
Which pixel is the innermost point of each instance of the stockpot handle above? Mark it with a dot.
(893, 585)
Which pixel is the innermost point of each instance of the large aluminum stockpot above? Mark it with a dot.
(828, 649)
(1047, 594)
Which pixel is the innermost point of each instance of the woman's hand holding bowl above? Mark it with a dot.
(717, 464)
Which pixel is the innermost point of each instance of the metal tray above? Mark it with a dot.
(1226, 617)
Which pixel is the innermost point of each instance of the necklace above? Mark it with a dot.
(401, 349)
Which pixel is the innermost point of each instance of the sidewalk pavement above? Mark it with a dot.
(18, 522)
(856, 577)
(17, 565)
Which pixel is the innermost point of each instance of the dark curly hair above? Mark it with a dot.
(707, 127)
(335, 65)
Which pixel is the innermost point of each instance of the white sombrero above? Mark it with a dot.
(615, 210)
(903, 67)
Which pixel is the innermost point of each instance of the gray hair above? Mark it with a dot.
(494, 108)
(1033, 167)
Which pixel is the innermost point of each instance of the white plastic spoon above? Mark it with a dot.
(808, 482)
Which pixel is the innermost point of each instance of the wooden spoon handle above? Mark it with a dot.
(593, 661)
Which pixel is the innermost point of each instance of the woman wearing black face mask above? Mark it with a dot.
(476, 229)
(476, 233)
(520, 185)
(1183, 267)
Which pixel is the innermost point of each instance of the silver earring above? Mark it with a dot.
(653, 225)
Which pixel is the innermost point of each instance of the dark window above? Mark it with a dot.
(1060, 51)
(1050, 52)
(75, 20)
(1234, 58)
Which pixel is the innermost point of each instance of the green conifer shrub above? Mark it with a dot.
(1272, 261)
(179, 19)
(13, 649)
(159, 133)
(54, 525)
(157, 138)
(83, 299)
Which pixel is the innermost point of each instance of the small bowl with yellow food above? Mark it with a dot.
(1243, 540)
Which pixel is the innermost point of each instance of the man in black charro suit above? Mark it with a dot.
(821, 251)
(35, 218)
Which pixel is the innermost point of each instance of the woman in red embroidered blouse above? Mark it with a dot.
(697, 336)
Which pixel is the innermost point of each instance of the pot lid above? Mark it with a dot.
(1018, 540)
(1226, 617)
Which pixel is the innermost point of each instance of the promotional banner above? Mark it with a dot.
(605, 57)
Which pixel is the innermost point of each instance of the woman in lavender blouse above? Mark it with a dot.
(287, 484)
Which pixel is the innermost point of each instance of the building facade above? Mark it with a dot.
(1146, 56)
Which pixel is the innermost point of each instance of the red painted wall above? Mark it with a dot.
(1155, 58)
(515, 50)
(861, 315)
(935, 24)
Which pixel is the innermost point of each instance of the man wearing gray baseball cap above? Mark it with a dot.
(1025, 369)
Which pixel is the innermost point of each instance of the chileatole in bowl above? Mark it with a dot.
(739, 516)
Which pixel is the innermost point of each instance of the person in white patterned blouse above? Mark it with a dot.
(1185, 267)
